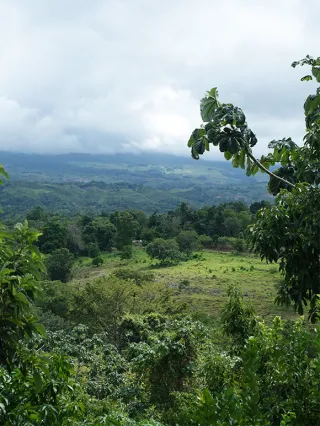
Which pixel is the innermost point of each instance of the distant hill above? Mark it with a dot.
(72, 183)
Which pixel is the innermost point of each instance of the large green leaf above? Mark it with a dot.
(191, 141)
(242, 158)
(235, 160)
(208, 104)
(21, 297)
(38, 384)
(249, 166)
(40, 329)
(316, 73)
(311, 104)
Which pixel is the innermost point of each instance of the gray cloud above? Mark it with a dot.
(118, 75)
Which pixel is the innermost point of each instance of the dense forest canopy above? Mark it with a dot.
(83, 183)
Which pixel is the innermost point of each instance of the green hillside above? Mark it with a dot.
(76, 183)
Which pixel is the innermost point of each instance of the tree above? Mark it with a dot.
(289, 231)
(59, 265)
(186, 215)
(126, 253)
(168, 361)
(126, 227)
(141, 220)
(232, 224)
(254, 207)
(205, 241)
(21, 266)
(188, 242)
(167, 226)
(147, 236)
(166, 251)
(97, 261)
(92, 250)
(100, 231)
(36, 214)
(238, 319)
(54, 236)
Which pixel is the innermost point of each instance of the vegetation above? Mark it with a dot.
(188, 242)
(193, 340)
(126, 252)
(59, 265)
(289, 231)
(166, 251)
(74, 183)
(97, 261)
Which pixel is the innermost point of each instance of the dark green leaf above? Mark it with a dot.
(316, 73)
(242, 157)
(38, 384)
(208, 104)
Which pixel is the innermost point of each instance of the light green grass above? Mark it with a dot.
(209, 279)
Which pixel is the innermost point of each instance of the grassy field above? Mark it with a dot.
(207, 279)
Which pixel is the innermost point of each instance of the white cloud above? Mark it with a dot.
(117, 75)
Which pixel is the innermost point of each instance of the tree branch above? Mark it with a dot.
(268, 171)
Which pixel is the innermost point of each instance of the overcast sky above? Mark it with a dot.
(120, 75)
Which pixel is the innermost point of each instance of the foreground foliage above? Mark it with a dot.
(138, 358)
(289, 232)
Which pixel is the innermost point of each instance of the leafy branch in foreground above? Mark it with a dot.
(226, 127)
(289, 232)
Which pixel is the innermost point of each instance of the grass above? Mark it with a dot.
(209, 276)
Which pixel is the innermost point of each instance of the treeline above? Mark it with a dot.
(169, 237)
(77, 195)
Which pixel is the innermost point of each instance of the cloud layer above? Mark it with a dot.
(122, 75)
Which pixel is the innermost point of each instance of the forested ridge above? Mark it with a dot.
(78, 183)
(124, 317)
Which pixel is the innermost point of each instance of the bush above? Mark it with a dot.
(59, 265)
(92, 250)
(138, 277)
(238, 319)
(239, 245)
(97, 261)
(205, 241)
(184, 284)
(166, 251)
(229, 243)
(126, 253)
(188, 242)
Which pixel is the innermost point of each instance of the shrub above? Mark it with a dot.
(205, 241)
(97, 261)
(59, 265)
(137, 276)
(92, 250)
(126, 253)
(184, 284)
(188, 242)
(166, 251)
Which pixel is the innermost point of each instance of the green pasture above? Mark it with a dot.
(202, 283)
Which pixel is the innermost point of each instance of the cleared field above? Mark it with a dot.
(205, 280)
